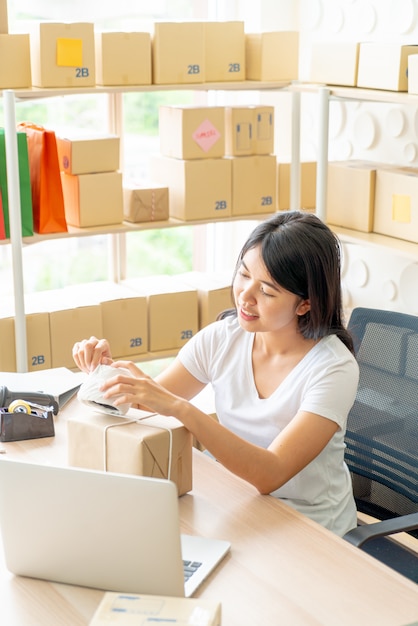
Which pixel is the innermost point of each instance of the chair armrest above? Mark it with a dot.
(358, 536)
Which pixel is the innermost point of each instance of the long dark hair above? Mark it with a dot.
(303, 256)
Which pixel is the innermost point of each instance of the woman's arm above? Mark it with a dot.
(266, 469)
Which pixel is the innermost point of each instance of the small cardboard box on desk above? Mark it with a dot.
(140, 443)
(126, 609)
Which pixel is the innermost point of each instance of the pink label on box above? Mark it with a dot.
(206, 135)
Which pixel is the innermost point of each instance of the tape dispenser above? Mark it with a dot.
(26, 415)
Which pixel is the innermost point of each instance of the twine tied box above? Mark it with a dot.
(140, 443)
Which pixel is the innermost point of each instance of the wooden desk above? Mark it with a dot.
(283, 569)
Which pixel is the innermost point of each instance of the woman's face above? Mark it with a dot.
(262, 304)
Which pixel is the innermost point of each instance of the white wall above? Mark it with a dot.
(373, 276)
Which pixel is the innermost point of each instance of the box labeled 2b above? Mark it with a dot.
(63, 55)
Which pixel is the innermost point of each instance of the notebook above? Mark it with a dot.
(98, 529)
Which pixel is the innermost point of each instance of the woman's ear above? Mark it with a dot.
(303, 307)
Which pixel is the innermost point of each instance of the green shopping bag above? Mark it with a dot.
(25, 185)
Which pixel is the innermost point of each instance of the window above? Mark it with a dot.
(56, 263)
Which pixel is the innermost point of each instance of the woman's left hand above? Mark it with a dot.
(139, 390)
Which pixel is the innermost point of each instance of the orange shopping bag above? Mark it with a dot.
(45, 176)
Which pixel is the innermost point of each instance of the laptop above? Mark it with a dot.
(98, 529)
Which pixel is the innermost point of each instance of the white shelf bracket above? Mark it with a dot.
(295, 157)
(322, 162)
(117, 244)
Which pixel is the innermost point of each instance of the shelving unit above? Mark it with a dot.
(327, 93)
(116, 233)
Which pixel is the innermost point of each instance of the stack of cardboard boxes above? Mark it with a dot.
(217, 161)
(62, 55)
(192, 162)
(374, 197)
(91, 180)
(249, 132)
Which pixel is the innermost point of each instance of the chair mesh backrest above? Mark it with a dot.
(382, 428)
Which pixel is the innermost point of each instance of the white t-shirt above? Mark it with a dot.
(323, 382)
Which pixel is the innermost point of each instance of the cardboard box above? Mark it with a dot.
(249, 130)
(38, 341)
(199, 189)
(15, 69)
(145, 202)
(254, 184)
(124, 315)
(351, 194)
(396, 203)
(384, 65)
(88, 154)
(334, 63)
(224, 51)
(263, 129)
(7, 342)
(69, 325)
(62, 55)
(188, 132)
(172, 310)
(4, 21)
(93, 199)
(178, 53)
(307, 185)
(213, 293)
(413, 73)
(123, 58)
(272, 56)
(69, 321)
(38, 336)
(128, 609)
(115, 444)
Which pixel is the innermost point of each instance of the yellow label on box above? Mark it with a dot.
(401, 208)
(69, 52)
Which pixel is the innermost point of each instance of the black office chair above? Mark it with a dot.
(382, 435)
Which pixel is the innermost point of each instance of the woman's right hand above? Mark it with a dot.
(89, 353)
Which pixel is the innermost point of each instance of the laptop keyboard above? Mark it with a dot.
(189, 568)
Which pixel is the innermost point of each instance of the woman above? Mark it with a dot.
(282, 368)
